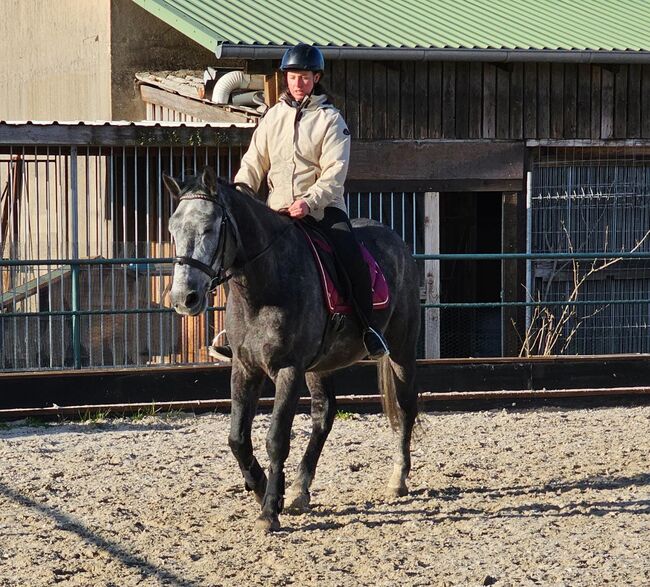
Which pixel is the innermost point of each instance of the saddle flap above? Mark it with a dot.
(336, 298)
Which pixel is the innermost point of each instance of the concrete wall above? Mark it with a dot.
(76, 59)
(142, 42)
(55, 60)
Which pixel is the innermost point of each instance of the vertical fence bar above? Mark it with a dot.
(529, 244)
(74, 242)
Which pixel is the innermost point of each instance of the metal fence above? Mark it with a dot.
(85, 254)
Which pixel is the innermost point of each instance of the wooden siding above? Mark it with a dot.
(413, 100)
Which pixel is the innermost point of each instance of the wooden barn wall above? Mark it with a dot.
(432, 100)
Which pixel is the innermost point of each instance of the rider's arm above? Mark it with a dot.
(256, 162)
(334, 160)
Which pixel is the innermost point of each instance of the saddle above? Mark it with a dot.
(331, 276)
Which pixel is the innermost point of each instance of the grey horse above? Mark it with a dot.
(276, 320)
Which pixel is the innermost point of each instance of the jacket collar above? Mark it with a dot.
(311, 102)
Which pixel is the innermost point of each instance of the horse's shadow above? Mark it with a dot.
(403, 509)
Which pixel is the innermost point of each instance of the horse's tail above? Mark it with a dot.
(388, 391)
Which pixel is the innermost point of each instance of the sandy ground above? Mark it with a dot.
(535, 497)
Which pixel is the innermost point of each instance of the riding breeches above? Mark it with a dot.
(338, 229)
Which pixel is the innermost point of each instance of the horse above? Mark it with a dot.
(276, 321)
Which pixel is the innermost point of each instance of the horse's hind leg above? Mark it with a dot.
(323, 410)
(246, 390)
(400, 376)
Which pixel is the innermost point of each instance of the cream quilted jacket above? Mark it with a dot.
(303, 153)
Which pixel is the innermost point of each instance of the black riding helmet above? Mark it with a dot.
(304, 58)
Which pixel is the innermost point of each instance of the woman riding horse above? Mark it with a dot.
(302, 148)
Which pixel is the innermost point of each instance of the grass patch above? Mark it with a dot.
(343, 415)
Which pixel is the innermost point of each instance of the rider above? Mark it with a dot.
(302, 148)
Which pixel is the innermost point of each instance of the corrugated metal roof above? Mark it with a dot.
(583, 25)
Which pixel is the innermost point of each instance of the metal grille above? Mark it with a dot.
(593, 200)
(107, 208)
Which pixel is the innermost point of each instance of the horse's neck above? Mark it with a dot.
(258, 227)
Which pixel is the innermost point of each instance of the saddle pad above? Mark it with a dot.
(335, 302)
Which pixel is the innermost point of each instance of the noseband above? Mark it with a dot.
(217, 276)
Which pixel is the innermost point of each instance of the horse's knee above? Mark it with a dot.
(239, 447)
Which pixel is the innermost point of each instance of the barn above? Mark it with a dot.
(509, 149)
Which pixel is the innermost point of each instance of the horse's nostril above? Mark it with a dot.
(191, 299)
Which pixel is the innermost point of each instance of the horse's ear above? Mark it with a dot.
(209, 179)
(172, 185)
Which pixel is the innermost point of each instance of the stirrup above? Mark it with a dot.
(375, 344)
(221, 352)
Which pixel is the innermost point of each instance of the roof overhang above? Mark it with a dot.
(240, 51)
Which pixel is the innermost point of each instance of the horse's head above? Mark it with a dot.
(203, 239)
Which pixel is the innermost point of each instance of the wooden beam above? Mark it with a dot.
(510, 280)
(432, 275)
(437, 166)
(202, 111)
(120, 134)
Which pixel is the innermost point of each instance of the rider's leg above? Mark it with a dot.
(338, 228)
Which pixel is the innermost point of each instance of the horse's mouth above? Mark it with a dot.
(192, 310)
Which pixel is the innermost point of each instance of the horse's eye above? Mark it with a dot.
(208, 231)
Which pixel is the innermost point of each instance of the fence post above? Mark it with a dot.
(74, 267)
(432, 275)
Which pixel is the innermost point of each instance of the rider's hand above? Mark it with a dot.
(298, 209)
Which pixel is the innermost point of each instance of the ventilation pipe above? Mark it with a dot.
(234, 80)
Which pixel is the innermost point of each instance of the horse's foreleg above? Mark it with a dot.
(287, 384)
(246, 391)
(323, 410)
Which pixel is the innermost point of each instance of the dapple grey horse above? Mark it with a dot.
(276, 319)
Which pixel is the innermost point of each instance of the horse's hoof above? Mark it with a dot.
(297, 503)
(397, 491)
(267, 523)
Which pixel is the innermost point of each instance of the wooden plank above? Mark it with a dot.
(338, 83)
(557, 101)
(516, 130)
(462, 101)
(435, 100)
(475, 106)
(449, 100)
(365, 99)
(379, 100)
(503, 102)
(392, 96)
(634, 102)
(543, 100)
(583, 103)
(530, 101)
(607, 103)
(596, 101)
(432, 275)
(437, 162)
(570, 100)
(270, 93)
(620, 102)
(407, 100)
(421, 130)
(645, 101)
(489, 101)
(352, 98)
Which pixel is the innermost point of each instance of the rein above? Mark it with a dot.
(218, 276)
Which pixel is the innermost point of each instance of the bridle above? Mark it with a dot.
(228, 226)
(217, 276)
